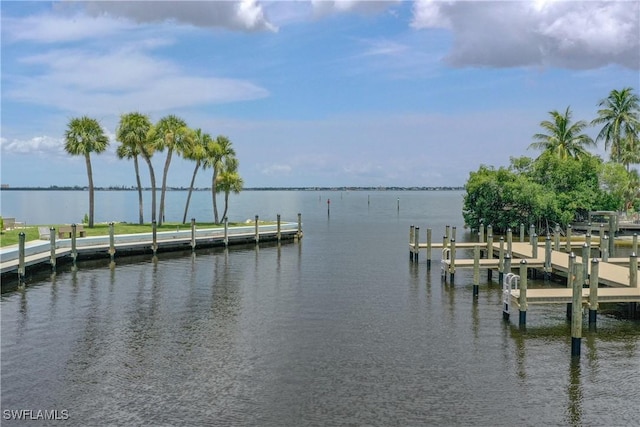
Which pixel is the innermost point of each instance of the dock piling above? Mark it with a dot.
(21, 267)
(604, 248)
(556, 238)
(278, 232)
(416, 242)
(452, 261)
(568, 242)
(593, 291)
(633, 270)
(534, 246)
(299, 235)
(585, 261)
(112, 241)
(476, 270)
(532, 232)
(576, 315)
(547, 258)
(447, 235)
(634, 243)
(509, 241)
(480, 233)
(523, 293)
(154, 237)
(52, 243)
(74, 249)
(428, 249)
(570, 279)
(411, 240)
(193, 234)
(257, 233)
(226, 230)
(612, 237)
(501, 260)
(521, 232)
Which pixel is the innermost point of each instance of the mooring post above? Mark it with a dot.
(585, 260)
(556, 238)
(328, 207)
(411, 238)
(521, 232)
(489, 250)
(453, 232)
(447, 235)
(587, 240)
(476, 270)
(416, 243)
(634, 243)
(532, 232)
(604, 248)
(278, 235)
(74, 249)
(523, 293)
(481, 233)
(257, 232)
(299, 235)
(568, 243)
(154, 237)
(452, 261)
(193, 234)
(52, 242)
(501, 260)
(509, 241)
(570, 279)
(21, 267)
(112, 241)
(593, 291)
(226, 230)
(534, 246)
(507, 263)
(547, 258)
(612, 236)
(633, 270)
(601, 235)
(576, 315)
(428, 249)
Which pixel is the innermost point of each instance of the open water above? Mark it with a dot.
(338, 329)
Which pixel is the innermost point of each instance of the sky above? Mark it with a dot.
(311, 93)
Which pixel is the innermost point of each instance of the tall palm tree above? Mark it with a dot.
(229, 181)
(132, 133)
(220, 149)
(620, 115)
(172, 133)
(83, 137)
(563, 139)
(195, 151)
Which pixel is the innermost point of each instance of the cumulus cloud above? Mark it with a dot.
(327, 7)
(276, 169)
(571, 34)
(244, 15)
(44, 145)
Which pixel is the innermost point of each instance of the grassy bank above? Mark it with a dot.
(10, 237)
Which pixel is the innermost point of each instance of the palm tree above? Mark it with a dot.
(563, 138)
(195, 151)
(220, 149)
(620, 116)
(132, 133)
(83, 137)
(172, 133)
(229, 181)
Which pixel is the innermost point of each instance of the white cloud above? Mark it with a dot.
(276, 169)
(571, 34)
(43, 145)
(326, 7)
(244, 15)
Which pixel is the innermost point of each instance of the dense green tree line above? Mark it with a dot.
(565, 181)
(138, 137)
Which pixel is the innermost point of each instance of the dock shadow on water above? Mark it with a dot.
(338, 328)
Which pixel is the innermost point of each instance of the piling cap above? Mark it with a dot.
(523, 261)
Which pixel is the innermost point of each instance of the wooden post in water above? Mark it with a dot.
(52, 242)
(568, 243)
(604, 248)
(447, 235)
(480, 233)
(453, 232)
(534, 246)
(489, 249)
(154, 237)
(634, 243)
(112, 241)
(523, 293)
(532, 232)
(556, 238)
(452, 261)
(411, 237)
(416, 242)
(585, 261)
(476, 270)
(278, 232)
(612, 236)
(587, 240)
(428, 249)
(547, 258)
(21, 267)
(299, 235)
(328, 207)
(74, 250)
(501, 261)
(601, 235)
(576, 315)
(521, 232)
(633, 270)
(257, 230)
(193, 234)
(226, 230)
(509, 241)
(593, 291)
(570, 279)
(507, 263)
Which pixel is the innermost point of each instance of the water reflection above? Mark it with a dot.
(574, 392)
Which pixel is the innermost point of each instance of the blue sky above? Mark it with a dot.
(311, 93)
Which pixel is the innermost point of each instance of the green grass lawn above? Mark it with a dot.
(10, 237)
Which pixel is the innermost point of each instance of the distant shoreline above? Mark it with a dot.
(77, 188)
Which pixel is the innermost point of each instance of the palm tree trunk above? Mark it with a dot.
(164, 185)
(193, 179)
(152, 176)
(135, 164)
(226, 204)
(91, 201)
(213, 192)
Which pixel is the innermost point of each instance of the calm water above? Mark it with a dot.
(337, 329)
